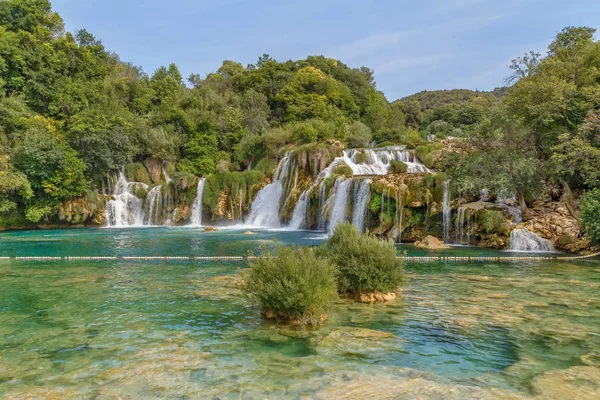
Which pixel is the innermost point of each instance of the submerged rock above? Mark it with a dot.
(431, 243)
(210, 229)
(582, 383)
(354, 385)
(357, 341)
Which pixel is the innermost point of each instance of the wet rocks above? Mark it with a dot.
(211, 229)
(375, 297)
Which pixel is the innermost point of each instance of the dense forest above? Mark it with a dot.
(71, 112)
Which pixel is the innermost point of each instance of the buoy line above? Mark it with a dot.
(244, 258)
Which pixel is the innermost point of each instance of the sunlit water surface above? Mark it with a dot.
(182, 329)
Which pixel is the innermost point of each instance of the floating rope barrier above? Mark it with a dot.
(245, 258)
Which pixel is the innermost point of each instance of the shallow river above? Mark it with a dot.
(182, 329)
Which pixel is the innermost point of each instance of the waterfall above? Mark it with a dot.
(241, 215)
(527, 241)
(265, 207)
(362, 194)
(322, 200)
(399, 212)
(378, 161)
(196, 218)
(340, 202)
(460, 224)
(154, 205)
(126, 208)
(299, 214)
(446, 212)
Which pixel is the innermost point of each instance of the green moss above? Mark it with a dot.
(266, 166)
(491, 221)
(137, 172)
(398, 167)
(342, 170)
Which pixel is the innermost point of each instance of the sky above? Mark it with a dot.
(412, 45)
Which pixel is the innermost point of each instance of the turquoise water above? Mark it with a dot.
(182, 329)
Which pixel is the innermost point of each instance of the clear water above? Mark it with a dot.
(102, 329)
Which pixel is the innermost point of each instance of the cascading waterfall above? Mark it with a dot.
(126, 208)
(268, 204)
(446, 212)
(527, 241)
(265, 207)
(362, 194)
(378, 161)
(241, 214)
(154, 205)
(196, 218)
(341, 192)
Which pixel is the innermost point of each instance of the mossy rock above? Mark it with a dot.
(137, 172)
(342, 170)
(398, 167)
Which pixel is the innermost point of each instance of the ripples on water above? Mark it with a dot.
(183, 330)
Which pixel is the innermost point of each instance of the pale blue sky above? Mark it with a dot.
(411, 45)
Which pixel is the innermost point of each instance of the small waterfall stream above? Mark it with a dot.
(341, 192)
(196, 218)
(527, 241)
(264, 211)
(362, 194)
(446, 212)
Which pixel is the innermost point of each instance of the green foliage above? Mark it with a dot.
(491, 221)
(359, 135)
(590, 214)
(365, 263)
(293, 284)
(137, 172)
(266, 166)
(398, 167)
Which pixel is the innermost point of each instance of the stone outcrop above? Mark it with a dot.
(376, 297)
(432, 243)
(554, 222)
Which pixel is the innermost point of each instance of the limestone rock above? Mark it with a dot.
(357, 341)
(376, 297)
(210, 229)
(431, 243)
(154, 167)
(582, 383)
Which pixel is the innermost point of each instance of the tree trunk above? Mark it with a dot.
(567, 198)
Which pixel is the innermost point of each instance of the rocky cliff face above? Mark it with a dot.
(553, 221)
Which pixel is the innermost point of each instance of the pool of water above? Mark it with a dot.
(182, 329)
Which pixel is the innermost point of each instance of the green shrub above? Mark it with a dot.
(365, 263)
(590, 214)
(398, 167)
(491, 221)
(359, 135)
(266, 166)
(292, 284)
(137, 172)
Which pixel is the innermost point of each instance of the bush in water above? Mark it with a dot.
(292, 285)
(365, 264)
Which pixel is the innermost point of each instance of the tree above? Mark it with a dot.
(590, 214)
(359, 135)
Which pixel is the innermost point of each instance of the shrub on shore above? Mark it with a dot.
(590, 214)
(292, 285)
(365, 264)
